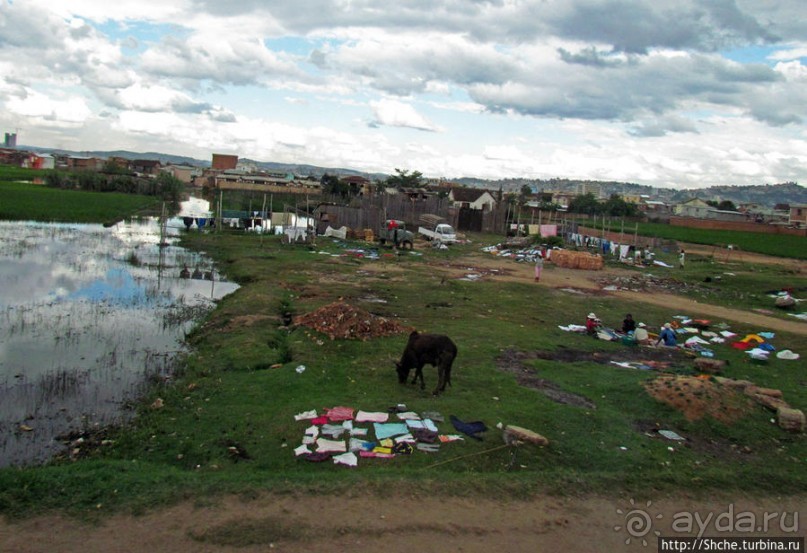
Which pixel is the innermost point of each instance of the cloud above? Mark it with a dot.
(392, 113)
(599, 88)
(67, 111)
(662, 126)
(239, 60)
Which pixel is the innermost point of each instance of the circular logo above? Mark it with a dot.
(638, 522)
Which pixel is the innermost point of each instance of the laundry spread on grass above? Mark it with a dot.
(346, 435)
(698, 336)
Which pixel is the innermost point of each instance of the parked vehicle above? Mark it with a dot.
(395, 232)
(442, 232)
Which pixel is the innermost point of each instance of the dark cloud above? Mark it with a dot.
(589, 56)
(656, 84)
(636, 27)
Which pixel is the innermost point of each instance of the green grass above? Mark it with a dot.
(229, 394)
(30, 202)
(779, 245)
(18, 174)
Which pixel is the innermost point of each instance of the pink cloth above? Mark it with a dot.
(339, 413)
(376, 455)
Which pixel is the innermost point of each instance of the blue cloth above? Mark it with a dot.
(668, 337)
(386, 430)
(469, 428)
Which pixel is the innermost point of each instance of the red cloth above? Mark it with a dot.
(320, 420)
(742, 345)
(393, 224)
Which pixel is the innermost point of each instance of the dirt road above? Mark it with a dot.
(399, 524)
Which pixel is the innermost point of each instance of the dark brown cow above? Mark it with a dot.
(434, 349)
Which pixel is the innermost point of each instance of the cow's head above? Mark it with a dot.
(403, 372)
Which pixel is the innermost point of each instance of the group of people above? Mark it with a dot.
(636, 330)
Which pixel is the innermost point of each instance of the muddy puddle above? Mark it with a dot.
(88, 317)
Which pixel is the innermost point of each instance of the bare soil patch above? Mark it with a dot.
(698, 397)
(717, 448)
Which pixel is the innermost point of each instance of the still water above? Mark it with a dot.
(88, 316)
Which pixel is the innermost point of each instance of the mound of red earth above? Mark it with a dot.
(343, 321)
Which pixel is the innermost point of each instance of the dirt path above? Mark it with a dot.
(558, 277)
(396, 524)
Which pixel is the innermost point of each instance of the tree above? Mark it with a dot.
(405, 179)
(331, 184)
(723, 205)
(618, 207)
(169, 188)
(585, 203)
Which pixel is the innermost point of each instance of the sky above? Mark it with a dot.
(668, 93)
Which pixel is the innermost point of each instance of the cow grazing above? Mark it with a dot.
(434, 349)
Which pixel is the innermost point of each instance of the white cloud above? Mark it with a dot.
(43, 109)
(619, 89)
(393, 113)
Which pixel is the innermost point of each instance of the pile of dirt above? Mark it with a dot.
(343, 321)
(698, 397)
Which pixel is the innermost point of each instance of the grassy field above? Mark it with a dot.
(779, 245)
(20, 201)
(239, 393)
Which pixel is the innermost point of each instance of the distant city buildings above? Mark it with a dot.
(10, 140)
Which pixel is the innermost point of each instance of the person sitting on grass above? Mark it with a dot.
(628, 325)
(667, 335)
(592, 324)
(641, 335)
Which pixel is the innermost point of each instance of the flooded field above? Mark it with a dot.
(88, 316)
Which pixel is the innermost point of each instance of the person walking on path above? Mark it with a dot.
(681, 259)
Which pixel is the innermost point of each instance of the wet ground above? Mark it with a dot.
(88, 316)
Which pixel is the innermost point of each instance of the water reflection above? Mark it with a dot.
(87, 315)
